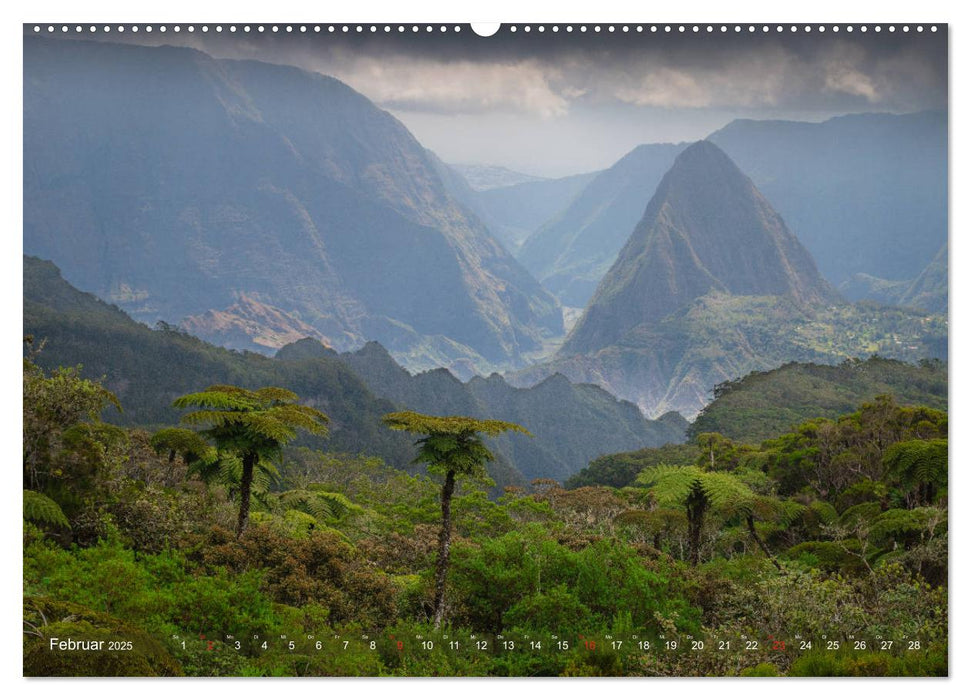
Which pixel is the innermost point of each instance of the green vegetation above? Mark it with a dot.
(619, 470)
(452, 447)
(764, 404)
(251, 427)
(718, 558)
(696, 491)
(147, 369)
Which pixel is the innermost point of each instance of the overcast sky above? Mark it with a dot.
(561, 103)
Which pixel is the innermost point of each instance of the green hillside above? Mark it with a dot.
(762, 404)
(674, 364)
(147, 369)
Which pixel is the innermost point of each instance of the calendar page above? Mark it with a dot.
(506, 350)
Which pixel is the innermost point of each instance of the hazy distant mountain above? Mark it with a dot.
(927, 291)
(571, 423)
(512, 212)
(863, 286)
(863, 192)
(572, 251)
(710, 286)
(707, 229)
(489, 177)
(176, 185)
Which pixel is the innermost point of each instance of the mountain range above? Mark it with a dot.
(258, 205)
(482, 178)
(712, 285)
(571, 423)
(865, 193)
(255, 201)
(928, 291)
(148, 369)
(706, 229)
(515, 212)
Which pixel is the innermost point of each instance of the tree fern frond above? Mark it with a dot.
(822, 512)
(39, 508)
(726, 493)
(213, 418)
(448, 425)
(323, 505)
(274, 394)
(182, 441)
(670, 485)
(218, 398)
(918, 462)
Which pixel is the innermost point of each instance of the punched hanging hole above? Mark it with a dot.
(485, 28)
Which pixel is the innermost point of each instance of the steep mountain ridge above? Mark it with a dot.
(572, 251)
(571, 423)
(706, 229)
(171, 183)
(710, 286)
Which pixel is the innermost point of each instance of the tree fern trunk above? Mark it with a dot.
(444, 544)
(750, 521)
(696, 518)
(245, 486)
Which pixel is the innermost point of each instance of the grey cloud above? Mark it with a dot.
(546, 74)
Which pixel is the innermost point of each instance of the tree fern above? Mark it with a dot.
(188, 444)
(38, 508)
(699, 491)
(450, 445)
(918, 464)
(249, 428)
(321, 505)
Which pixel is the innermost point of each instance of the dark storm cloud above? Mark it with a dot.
(545, 73)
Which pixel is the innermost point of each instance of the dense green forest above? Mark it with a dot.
(721, 558)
